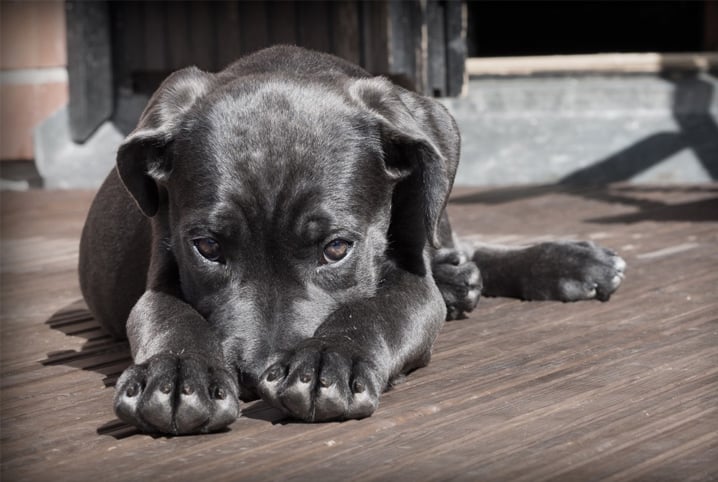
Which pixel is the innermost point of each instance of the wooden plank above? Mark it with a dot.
(407, 45)
(154, 20)
(517, 391)
(437, 51)
(202, 33)
(456, 24)
(345, 31)
(373, 18)
(229, 45)
(314, 26)
(178, 38)
(282, 17)
(127, 37)
(254, 26)
(89, 67)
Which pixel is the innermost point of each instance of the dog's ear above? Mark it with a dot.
(420, 143)
(143, 159)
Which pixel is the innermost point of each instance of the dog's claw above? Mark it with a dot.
(220, 393)
(147, 397)
(458, 280)
(273, 374)
(317, 385)
(132, 390)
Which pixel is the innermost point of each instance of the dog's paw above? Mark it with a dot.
(177, 395)
(573, 271)
(322, 381)
(458, 280)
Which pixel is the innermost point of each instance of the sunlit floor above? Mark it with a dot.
(626, 389)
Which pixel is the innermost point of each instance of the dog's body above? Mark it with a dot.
(277, 230)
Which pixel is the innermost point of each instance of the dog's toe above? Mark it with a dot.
(320, 383)
(586, 271)
(176, 395)
(618, 263)
(609, 276)
(458, 280)
(128, 392)
(191, 412)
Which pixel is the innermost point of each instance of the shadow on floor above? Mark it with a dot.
(701, 210)
(697, 130)
(100, 353)
(103, 354)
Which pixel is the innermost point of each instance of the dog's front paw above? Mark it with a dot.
(177, 395)
(458, 280)
(573, 271)
(322, 381)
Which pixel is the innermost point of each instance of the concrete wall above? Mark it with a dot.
(585, 129)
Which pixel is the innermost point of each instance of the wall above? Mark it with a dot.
(33, 77)
(588, 129)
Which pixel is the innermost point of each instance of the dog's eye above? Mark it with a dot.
(336, 250)
(209, 248)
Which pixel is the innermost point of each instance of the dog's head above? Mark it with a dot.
(280, 199)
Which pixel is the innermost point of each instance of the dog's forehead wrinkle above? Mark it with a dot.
(287, 201)
(255, 108)
(269, 139)
(282, 92)
(276, 115)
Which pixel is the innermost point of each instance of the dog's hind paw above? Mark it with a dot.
(458, 280)
(177, 395)
(321, 381)
(573, 271)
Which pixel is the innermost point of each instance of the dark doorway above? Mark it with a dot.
(561, 27)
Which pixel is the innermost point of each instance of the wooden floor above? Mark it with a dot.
(519, 391)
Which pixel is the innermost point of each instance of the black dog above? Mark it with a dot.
(277, 230)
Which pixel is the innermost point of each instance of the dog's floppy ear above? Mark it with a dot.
(143, 158)
(420, 142)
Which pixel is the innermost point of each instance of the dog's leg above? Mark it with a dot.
(354, 355)
(179, 382)
(562, 270)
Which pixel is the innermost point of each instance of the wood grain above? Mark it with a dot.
(624, 390)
